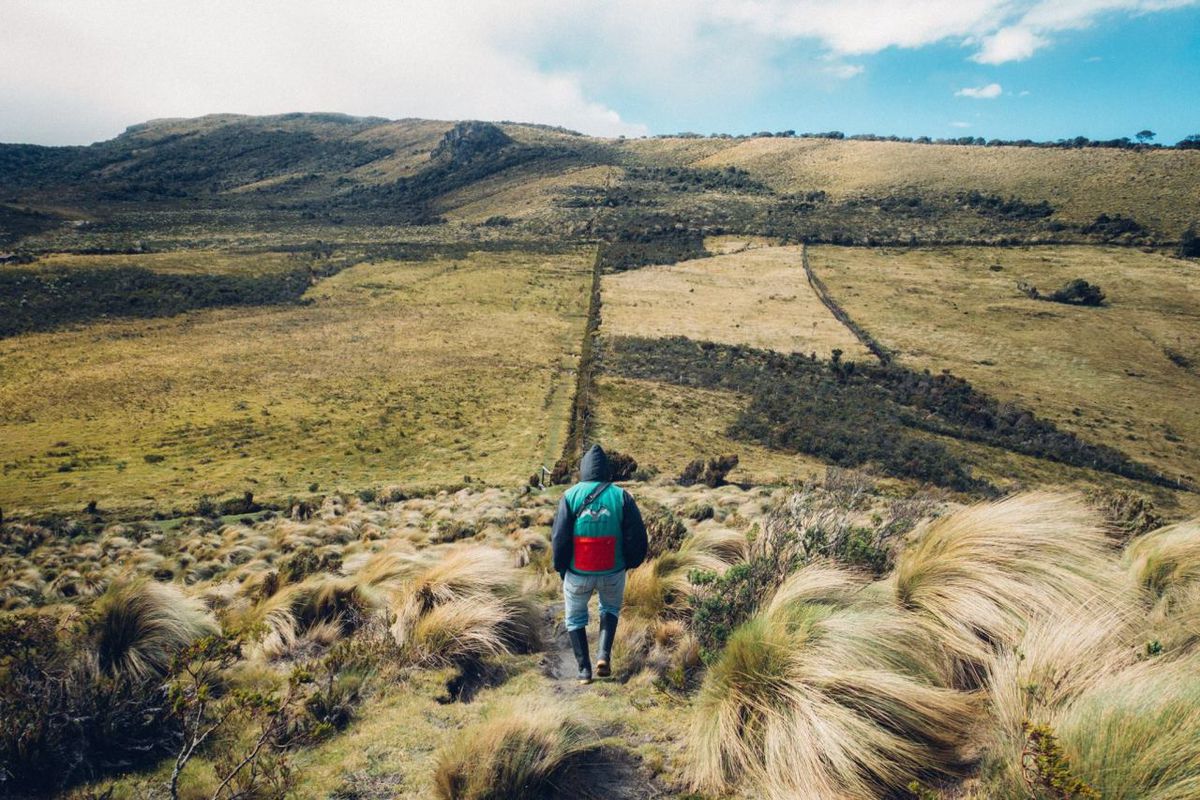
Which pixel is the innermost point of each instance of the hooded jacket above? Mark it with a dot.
(594, 468)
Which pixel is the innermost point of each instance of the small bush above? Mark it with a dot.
(624, 467)
(699, 512)
(1078, 292)
(711, 472)
(1131, 514)
(1189, 244)
(665, 532)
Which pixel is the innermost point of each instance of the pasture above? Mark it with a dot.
(389, 372)
(1124, 373)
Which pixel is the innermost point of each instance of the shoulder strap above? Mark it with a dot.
(591, 498)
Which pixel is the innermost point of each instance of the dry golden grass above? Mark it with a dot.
(665, 427)
(1102, 373)
(758, 297)
(519, 753)
(400, 372)
(1157, 188)
(821, 700)
(982, 574)
(727, 244)
(178, 262)
(522, 196)
(139, 626)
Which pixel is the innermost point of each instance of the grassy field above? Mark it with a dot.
(177, 262)
(757, 297)
(665, 427)
(1105, 373)
(396, 372)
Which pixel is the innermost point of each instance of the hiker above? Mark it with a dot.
(598, 535)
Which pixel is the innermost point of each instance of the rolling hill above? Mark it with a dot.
(287, 404)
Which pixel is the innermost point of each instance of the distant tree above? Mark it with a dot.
(1189, 243)
(1191, 142)
(1145, 136)
(1078, 293)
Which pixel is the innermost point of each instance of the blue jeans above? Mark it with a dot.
(577, 591)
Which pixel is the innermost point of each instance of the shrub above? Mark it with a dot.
(1078, 292)
(623, 466)
(711, 472)
(1046, 769)
(520, 753)
(1130, 513)
(698, 512)
(1189, 244)
(665, 532)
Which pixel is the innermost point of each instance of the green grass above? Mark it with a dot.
(396, 372)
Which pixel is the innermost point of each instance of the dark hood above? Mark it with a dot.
(594, 465)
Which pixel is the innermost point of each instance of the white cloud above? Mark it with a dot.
(989, 92)
(960, 124)
(78, 70)
(1009, 44)
(1003, 30)
(845, 71)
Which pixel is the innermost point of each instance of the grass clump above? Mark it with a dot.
(462, 604)
(978, 576)
(824, 695)
(1134, 735)
(518, 754)
(1166, 561)
(139, 626)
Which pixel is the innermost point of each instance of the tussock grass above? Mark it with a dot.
(1134, 734)
(1135, 737)
(139, 626)
(660, 586)
(463, 602)
(1059, 659)
(519, 753)
(314, 613)
(1166, 561)
(979, 575)
(813, 700)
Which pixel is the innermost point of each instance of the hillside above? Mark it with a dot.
(287, 405)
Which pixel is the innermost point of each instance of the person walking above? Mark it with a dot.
(598, 534)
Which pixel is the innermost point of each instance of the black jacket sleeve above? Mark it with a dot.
(562, 537)
(633, 533)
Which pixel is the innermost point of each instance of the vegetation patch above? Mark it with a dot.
(661, 243)
(852, 414)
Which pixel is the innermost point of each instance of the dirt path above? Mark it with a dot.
(558, 661)
(612, 773)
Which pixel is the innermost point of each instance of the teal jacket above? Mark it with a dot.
(606, 537)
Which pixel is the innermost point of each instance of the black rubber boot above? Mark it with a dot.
(579, 644)
(608, 630)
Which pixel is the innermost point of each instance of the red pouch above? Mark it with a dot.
(595, 553)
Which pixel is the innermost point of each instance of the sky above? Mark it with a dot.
(78, 71)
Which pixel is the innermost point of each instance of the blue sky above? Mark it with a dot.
(77, 71)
